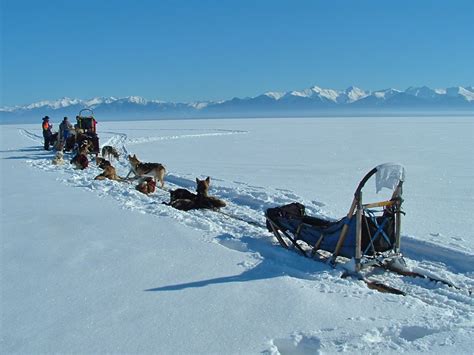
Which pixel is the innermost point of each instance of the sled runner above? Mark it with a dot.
(369, 233)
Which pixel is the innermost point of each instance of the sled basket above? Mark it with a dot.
(368, 232)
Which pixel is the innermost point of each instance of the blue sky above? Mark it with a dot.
(198, 50)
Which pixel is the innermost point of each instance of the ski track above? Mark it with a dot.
(249, 202)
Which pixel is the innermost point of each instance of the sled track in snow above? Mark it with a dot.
(433, 293)
(455, 261)
(247, 203)
(30, 135)
(214, 133)
(118, 141)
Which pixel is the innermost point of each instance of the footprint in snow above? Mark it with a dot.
(415, 332)
(297, 344)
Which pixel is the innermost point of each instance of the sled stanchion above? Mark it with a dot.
(294, 243)
(276, 231)
(344, 231)
(358, 247)
(316, 245)
(397, 196)
(277, 234)
(397, 231)
(355, 203)
(371, 241)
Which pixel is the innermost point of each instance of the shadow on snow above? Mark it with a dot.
(275, 262)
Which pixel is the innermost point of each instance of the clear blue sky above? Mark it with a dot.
(198, 50)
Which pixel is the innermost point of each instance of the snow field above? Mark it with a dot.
(139, 275)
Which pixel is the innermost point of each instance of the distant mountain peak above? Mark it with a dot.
(306, 100)
(423, 92)
(274, 94)
(354, 93)
(386, 93)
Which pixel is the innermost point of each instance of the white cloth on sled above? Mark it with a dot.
(388, 175)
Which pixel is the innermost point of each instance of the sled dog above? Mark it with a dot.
(185, 200)
(58, 158)
(85, 147)
(99, 160)
(140, 169)
(108, 152)
(109, 171)
(180, 194)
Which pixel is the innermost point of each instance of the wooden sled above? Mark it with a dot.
(369, 233)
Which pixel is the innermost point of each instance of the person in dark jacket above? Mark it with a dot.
(65, 129)
(47, 134)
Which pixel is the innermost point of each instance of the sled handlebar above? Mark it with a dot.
(364, 180)
(86, 109)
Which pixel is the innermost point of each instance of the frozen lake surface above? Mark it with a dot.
(94, 266)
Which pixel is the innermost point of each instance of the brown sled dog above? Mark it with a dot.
(140, 169)
(185, 200)
(85, 147)
(108, 152)
(109, 171)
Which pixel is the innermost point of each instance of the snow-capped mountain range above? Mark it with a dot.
(303, 102)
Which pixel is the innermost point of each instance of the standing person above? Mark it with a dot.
(47, 134)
(65, 128)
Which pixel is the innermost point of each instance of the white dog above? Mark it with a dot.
(58, 158)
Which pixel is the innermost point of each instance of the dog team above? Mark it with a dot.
(148, 174)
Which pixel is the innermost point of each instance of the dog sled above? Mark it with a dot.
(369, 233)
(86, 132)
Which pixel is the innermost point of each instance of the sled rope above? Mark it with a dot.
(252, 223)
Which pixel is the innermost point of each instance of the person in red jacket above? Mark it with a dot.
(47, 134)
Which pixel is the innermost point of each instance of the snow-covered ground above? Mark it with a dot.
(96, 267)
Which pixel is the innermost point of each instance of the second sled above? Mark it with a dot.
(369, 233)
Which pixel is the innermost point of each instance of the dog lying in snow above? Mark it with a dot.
(109, 171)
(185, 200)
